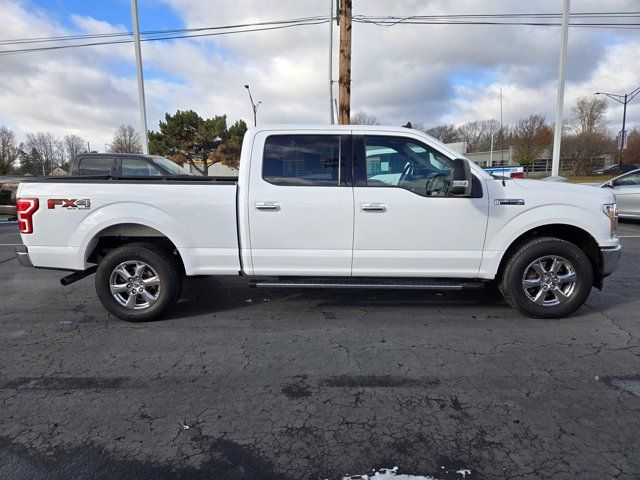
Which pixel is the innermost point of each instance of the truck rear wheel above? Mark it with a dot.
(547, 278)
(137, 282)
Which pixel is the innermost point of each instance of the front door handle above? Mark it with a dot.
(374, 207)
(268, 206)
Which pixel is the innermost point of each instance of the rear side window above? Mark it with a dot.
(95, 166)
(139, 167)
(302, 160)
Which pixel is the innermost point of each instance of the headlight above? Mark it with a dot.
(611, 211)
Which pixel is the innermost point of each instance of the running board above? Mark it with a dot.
(385, 284)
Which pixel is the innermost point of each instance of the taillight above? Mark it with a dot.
(26, 207)
(517, 175)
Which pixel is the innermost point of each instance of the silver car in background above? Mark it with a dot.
(626, 188)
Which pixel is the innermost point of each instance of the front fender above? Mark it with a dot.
(506, 226)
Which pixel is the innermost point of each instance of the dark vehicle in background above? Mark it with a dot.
(125, 165)
(617, 169)
(8, 189)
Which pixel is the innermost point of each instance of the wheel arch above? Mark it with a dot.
(570, 233)
(119, 234)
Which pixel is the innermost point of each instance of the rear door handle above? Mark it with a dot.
(268, 206)
(374, 207)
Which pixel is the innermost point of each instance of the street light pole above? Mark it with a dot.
(557, 134)
(624, 100)
(143, 108)
(254, 107)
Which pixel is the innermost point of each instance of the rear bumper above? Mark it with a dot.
(22, 252)
(610, 259)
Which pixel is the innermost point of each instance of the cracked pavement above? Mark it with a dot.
(294, 384)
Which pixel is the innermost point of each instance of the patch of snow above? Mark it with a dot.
(387, 474)
(392, 474)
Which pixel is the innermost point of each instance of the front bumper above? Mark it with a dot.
(610, 259)
(22, 252)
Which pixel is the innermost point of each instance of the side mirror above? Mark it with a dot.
(461, 178)
(609, 184)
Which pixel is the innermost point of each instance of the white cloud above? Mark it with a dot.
(426, 74)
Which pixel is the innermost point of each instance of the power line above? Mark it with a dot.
(503, 19)
(17, 41)
(367, 18)
(172, 37)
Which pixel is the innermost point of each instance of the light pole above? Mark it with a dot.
(623, 99)
(254, 107)
(143, 108)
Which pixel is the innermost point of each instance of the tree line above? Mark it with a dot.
(185, 137)
(585, 136)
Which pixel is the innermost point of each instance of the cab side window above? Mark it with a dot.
(405, 163)
(139, 167)
(302, 160)
(96, 166)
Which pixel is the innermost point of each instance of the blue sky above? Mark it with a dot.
(154, 14)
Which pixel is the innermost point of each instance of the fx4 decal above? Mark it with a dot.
(69, 204)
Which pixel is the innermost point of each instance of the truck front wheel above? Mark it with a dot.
(547, 278)
(137, 282)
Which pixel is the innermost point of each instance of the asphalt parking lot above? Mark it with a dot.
(269, 384)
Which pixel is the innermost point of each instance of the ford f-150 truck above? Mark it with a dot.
(325, 207)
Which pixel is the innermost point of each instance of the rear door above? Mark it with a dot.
(406, 224)
(300, 204)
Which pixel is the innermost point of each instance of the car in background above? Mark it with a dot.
(627, 191)
(124, 165)
(8, 189)
(616, 169)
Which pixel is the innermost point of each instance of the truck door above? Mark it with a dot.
(406, 224)
(300, 204)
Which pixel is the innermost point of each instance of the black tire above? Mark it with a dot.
(570, 296)
(158, 262)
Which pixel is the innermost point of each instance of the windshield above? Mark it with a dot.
(171, 167)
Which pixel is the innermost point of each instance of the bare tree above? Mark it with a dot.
(585, 151)
(589, 115)
(444, 133)
(73, 145)
(531, 136)
(126, 140)
(9, 150)
(50, 149)
(477, 134)
(363, 118)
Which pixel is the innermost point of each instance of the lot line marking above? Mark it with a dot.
(18, 244)
(628, 236)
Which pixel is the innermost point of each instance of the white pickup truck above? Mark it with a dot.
(325, 207)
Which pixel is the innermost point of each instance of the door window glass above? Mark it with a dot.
(304, 160)
(633, 179)
(139, 167)
(405, 163)
(95, 166)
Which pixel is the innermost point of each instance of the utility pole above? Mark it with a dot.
(624, 100)
(557, 135)
(344, 78)
(143, 108)
(331, 62)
